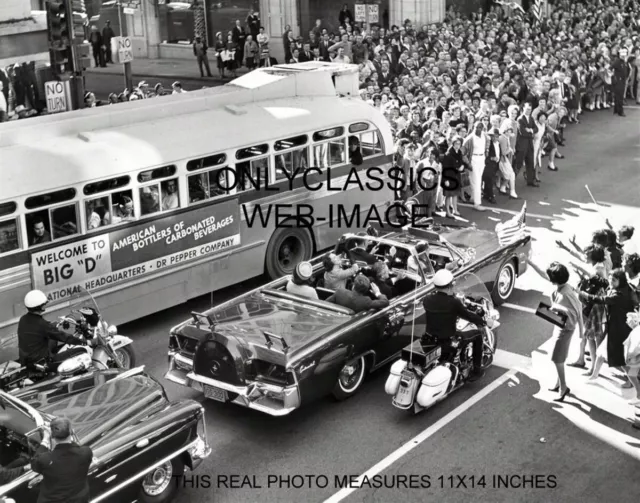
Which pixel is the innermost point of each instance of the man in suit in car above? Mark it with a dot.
(358, 299)
(65, 468)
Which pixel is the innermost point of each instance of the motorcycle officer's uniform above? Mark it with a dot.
(38, 339)
(442, 311)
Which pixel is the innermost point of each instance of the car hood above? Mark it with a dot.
(108, 407)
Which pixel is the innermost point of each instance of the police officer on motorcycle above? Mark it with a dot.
(39, 338)
(442, 310)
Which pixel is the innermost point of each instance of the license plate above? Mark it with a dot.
(215, 393)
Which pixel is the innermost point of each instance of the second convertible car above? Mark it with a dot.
(142, 443)
(273, 351)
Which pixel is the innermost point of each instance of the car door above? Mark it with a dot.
(129, 455)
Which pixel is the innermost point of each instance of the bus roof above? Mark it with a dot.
(48, 163)
(278, 82)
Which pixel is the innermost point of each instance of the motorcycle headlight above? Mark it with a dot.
(112, 330)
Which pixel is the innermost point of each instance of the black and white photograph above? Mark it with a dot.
(309, 251)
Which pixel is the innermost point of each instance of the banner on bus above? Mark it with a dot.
(124, 254)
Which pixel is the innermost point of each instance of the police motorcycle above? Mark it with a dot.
(427, 371)
(105, 348)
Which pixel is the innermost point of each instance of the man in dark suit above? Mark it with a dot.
(306, 54)
(65, 468)
(491, 165)
(524, 145)
(358, 299)
(324, 48)
(618, 81)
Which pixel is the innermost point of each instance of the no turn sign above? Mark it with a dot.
(123, 47)
(56, 94)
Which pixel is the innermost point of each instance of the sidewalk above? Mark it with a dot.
(165, 68)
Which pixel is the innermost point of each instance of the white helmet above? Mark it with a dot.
(443, 278)
(35, 299)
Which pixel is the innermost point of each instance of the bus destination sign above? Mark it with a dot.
(125, 254)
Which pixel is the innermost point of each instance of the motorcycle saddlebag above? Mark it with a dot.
(434, 385)
(393, 381)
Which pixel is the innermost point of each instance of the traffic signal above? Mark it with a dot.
(83, 57)
(57, 24)
(80, 20)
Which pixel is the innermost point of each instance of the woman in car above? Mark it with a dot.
(299, 283)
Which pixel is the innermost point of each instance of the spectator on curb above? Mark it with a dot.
(200, 52)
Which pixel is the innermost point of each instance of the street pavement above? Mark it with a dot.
(503, 427)
(104, 81)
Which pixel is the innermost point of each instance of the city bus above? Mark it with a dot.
(147, 204)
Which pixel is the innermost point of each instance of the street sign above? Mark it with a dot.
(56, 94)
(372, 13)
(128, 10)
(130, 4)
(123, 48)
(361, 13)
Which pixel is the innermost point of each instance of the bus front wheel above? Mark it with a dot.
(286, 249)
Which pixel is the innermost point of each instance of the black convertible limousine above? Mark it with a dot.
(273, 351)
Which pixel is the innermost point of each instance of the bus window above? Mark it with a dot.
(290, 161)
(206, 162)
(210, 184)
(252, 174)
(97, 211)
(59, 196)
(122, 209)
(170, 196)
(332, 153)
(7, 208)
(155, 174)
(370, 144)
(55, 223)
(296, 141)
(9, 236)
(358, 126)
(104, 185)
(157, 197)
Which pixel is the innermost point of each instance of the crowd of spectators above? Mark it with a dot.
(489, 95)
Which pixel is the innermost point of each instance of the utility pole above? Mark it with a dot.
(128, 78)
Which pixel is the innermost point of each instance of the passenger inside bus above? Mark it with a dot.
(97, 213)
(122, 209)
(355, 153)
(170, 199)
(149, 200)
(38, 229)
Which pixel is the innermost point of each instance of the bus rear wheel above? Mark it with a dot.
(286, 249)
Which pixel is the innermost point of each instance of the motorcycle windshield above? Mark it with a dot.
(470, 285)
(79, 301)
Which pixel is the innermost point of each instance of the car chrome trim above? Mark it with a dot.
(144, 472)
(130, 373)
(244, 393)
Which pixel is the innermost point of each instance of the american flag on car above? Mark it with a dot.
(513, 229)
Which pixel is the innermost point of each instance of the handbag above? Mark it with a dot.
(465, 179)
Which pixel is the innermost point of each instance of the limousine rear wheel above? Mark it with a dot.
(504, 284)
(350, 379)
(286, 249)
(161, 484)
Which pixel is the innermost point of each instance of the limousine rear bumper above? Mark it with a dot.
(264, 397)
